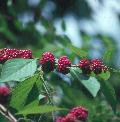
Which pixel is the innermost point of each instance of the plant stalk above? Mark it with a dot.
(4, 111)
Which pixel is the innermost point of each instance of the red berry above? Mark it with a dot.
(80, 113)
(84, 64)
(75, 115)
(60, 119)
(68, 118)
(26, 54)
(3, 57)
(4, 94)
(8, 53)
(1, 51)
(96, 66)
(63, 65)
(47, 61)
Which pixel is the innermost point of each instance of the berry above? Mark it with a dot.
(75, 115)
(47, 61)
(96, 66)
(80, 113)
(3, 58)
(26, 54)
(63, 64)
(4, 94)
(68, 118)
(10, 53)
(84, 64)
(60, 119)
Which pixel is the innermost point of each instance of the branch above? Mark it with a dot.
(7, 114)
(46, 87)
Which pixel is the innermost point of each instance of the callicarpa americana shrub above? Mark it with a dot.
(31, 95)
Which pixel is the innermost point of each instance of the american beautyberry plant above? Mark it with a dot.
(26, 92)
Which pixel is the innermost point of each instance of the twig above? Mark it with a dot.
(48, 93)
(4, 111)
(47, 90)
(75, 65)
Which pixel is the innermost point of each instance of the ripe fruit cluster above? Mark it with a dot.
(4, 94)
(87, 66)
(63, 64)
(48, 63)
(75, 115)
(95, 65)
(9, 53)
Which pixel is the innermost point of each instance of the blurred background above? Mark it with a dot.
(76, 28)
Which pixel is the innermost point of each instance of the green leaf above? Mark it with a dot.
(81, 53)
(109, 93)
(34, 108)
(91, 83)
(21, 92)
(17, 69)
(35, 91)
(104, 75)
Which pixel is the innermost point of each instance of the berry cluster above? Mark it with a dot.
(75, 115)
(63, 64)
(26, 54)
(95, 65)
(87, 66)
(48, 63)
(4, 94)
(10, 53)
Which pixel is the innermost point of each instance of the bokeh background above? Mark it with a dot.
(75, 28)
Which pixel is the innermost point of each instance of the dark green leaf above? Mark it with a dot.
(109, 93)
(21, 92)
(35, 108)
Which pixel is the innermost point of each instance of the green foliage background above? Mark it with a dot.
(13, 33)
